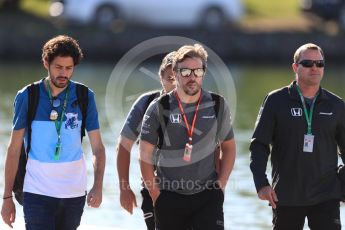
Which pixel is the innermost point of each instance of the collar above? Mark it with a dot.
(293, 93)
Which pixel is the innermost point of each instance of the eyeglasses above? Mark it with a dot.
(186, 72)
(310, 63)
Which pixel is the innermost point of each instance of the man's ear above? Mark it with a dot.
(45, 63)
(294, 67)
(174, 72)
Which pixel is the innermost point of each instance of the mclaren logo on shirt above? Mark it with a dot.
(296, 112)
(175, 118)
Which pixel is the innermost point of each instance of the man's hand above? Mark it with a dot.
(154, 195)
(94, 198)
(127, 200)
(8, 212)
(221, 185)
(267, 193)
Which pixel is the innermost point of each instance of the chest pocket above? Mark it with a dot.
(72, 121)
(325, 120)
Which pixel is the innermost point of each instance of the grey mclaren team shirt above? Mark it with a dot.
(173, 173)
(132, 125)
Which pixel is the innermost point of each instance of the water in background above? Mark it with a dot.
(242, 209)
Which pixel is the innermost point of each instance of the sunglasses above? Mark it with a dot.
(186, 72)
(310, 63)
(56, 102)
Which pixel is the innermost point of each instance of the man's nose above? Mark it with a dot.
(63, 71)
(192, 75)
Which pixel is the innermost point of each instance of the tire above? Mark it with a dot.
(107, 17)
(213, 19)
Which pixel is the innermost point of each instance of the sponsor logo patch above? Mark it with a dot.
(175, 118)
(209, 117)
(328, 114)
(296, 112)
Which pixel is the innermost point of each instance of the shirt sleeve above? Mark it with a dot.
(92, 122)
(151, 124)
(340, 135)
(132, 125)
(20, 110)
(260, 143)
(226, 131)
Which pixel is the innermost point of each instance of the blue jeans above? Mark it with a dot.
(49, 213)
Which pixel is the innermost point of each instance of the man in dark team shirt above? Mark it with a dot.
(301, 126)
(129, 135)
(181, 140)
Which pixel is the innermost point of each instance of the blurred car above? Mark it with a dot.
(326, 9)
(209, 14)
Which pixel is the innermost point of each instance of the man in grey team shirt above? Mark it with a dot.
(187, 190)
(129, 135)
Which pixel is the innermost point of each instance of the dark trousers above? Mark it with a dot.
(323, 216)
(200, 211)
(147, 208)
(49, 213)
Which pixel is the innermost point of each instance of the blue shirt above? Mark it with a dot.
(65, 177)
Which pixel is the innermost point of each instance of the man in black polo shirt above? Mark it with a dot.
(301, 126)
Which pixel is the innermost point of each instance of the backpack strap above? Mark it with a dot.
(163, 108)
(33, 97)
(218, 109)
(83, 101)
(151, 97)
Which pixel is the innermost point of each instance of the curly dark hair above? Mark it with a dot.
(63, 46)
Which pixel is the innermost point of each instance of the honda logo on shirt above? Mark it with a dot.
(296, 112)
(175, 118)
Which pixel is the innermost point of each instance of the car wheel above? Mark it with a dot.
(213, 19)
(107, 17)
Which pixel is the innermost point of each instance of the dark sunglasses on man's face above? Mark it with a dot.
(310, 63)
(186, 72)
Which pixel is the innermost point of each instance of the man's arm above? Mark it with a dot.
(258, 162)
(94, 198)
(127, 197)
(340, 136)
(227, 161)
(260, 151)
(8, 211)
(217, 158)
(147, 170)
(128, 135)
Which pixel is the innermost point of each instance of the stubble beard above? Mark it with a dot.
(192, 91)
(57, 84)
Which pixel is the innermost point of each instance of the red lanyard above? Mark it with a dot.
(189, 131)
